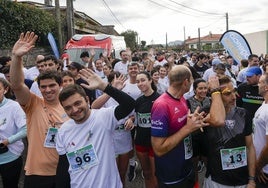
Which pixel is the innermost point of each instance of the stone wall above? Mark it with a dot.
(28, 59)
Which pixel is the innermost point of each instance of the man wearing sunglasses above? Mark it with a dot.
(231, 153)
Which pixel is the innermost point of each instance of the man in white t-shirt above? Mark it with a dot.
(84, 143)
(260, 135)
(121, 66)
(34, 71)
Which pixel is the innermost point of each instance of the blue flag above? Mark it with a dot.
(53, 45)
(236, 45)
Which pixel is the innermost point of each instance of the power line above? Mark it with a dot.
(194, 8)
(170, 8)
(116, 19)
(178, 11)
(212, 22)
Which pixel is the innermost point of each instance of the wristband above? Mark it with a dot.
(251, 178)
(215, 92)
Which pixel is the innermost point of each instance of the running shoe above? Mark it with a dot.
(132, 171)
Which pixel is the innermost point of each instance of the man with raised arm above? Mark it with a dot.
(44, 116)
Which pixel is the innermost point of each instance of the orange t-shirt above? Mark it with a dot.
(40, 117)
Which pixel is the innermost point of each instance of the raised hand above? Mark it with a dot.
(93, 80)
(24, 44)
(213, 83)
(119, 82)
(92, 52)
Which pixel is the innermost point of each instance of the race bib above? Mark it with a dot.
(188, 148)
(144, 120)
(233, 158)
(50, 141)
(83, 158)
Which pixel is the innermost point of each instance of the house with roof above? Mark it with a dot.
(210, 42)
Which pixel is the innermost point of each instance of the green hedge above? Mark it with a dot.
(16, 18)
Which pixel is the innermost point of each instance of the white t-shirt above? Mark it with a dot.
(161, 63)
(164, 81)
(122, 138)
(121, 67)
(96, 131)
(32, 73)
(260, 130)
(12, 119)
(35, 89)
(210, 72)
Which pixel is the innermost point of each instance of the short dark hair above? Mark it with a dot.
(133, 63)
(5, 83)
(66, 73)
(4, 60)
(84, 54)
(122, 52)
(197, 81)
(71, 90)
(51, 57)
(54, 75)
(6, 69)
(250, 57)
(201, 56)
(225, 80)
(110, 77)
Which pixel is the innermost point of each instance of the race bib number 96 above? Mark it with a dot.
(83, 158)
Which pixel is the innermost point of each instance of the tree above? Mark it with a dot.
(143, 44)
(130, 38)
(17, 18)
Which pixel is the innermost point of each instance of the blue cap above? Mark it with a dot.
(251, 71)
(215, 61)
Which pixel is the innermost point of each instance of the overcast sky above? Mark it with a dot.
(152, 19)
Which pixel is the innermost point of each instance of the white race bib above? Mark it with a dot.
(50, 141)
(233, 158)
(82, 159)
(188, 148)
(144, 120)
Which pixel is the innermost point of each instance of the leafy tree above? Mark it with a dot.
(143, 44)
(16, 18)
(130, 38)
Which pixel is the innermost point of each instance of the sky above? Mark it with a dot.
(153, 20)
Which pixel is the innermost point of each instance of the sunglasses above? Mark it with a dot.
(228, 92)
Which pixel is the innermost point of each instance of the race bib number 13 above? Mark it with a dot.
(233, 158)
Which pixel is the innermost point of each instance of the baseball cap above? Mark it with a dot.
(216, 61)
(75, 65)
(251, 71)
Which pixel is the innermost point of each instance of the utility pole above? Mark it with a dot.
(58, 18)
(70, 18)
(184, 34)
(184, 37)
(227, 21)
(199, 40)
(166, 41)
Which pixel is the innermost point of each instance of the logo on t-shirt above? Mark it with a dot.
(3, 121)
(176, 110)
